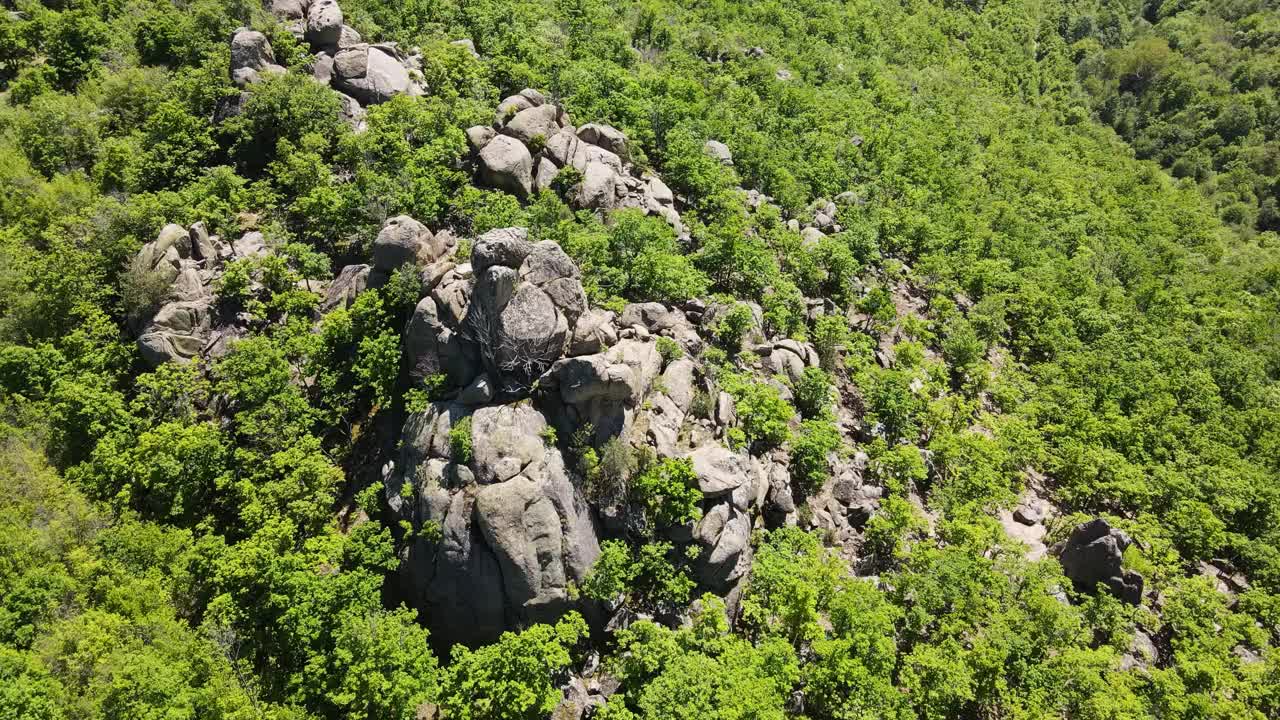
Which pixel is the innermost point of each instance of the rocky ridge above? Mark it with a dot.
(503, 531)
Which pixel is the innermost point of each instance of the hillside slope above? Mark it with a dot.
(482, 359)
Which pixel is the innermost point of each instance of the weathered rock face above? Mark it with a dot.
(514, 531)
(324, 23)
(725, 535)
(403, 241)
(361, 73)
(177, 333)
(528, 298)
(719, 151)
(1094, 554)
(602, 389)
(505, 164)
(351, 281)
(289, 9)
(787, 358)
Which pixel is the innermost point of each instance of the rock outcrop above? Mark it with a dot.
(251, 56)
(185, 262)
(532, 141)
(508, 533)
(511, 312)
(1093, 555)
(372, 74)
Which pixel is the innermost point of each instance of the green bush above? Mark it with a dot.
(763, 415)
(460, 447)
(810, 448)
(282, 107)
(645, 578)
(793, 579)
(512, 678)
(813, 393)
(669, 349)
(733, 327)
(831, 336)
(668, 491)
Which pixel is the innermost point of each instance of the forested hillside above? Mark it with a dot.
(479, 359)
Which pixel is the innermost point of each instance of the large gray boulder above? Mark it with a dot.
(507, 441)
(607, 137)
(719, 151)
(289, 9)
(177, 333)
(527, 300)
(181, 263)
(503, 246)
(724, 535)
(1093, 555)
(505, 164)
(593, 334)
(599, 189)
(324, 23)
(431, 347)
(719, 470)
(251, 55)
(534, 125)
(404, 241)
(603, 389)
(371, 74)
(350, 282)
(478, 136)
(531, 333)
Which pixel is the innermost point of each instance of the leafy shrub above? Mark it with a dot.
(762, 413)
(669, 349)
(888, 529)
(894, 403)
(512, 678)
(58, 133)
(617, 462)
(460, 446)
(548, 436)
(817, 439)
(668, 491)
(793, 578)
(647, 579)
(142, 289)
(282, 107)
(899, 468)
(813, 393)
(733, 327)
(831, 335)
(702, 406)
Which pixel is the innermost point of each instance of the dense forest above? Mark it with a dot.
(736, 359)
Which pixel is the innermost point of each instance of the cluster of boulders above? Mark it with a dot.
(531, 141)
(498, 320)
(362, 73)
(187, 261)
(524, 360)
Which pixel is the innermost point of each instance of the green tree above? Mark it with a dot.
(512, 678)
